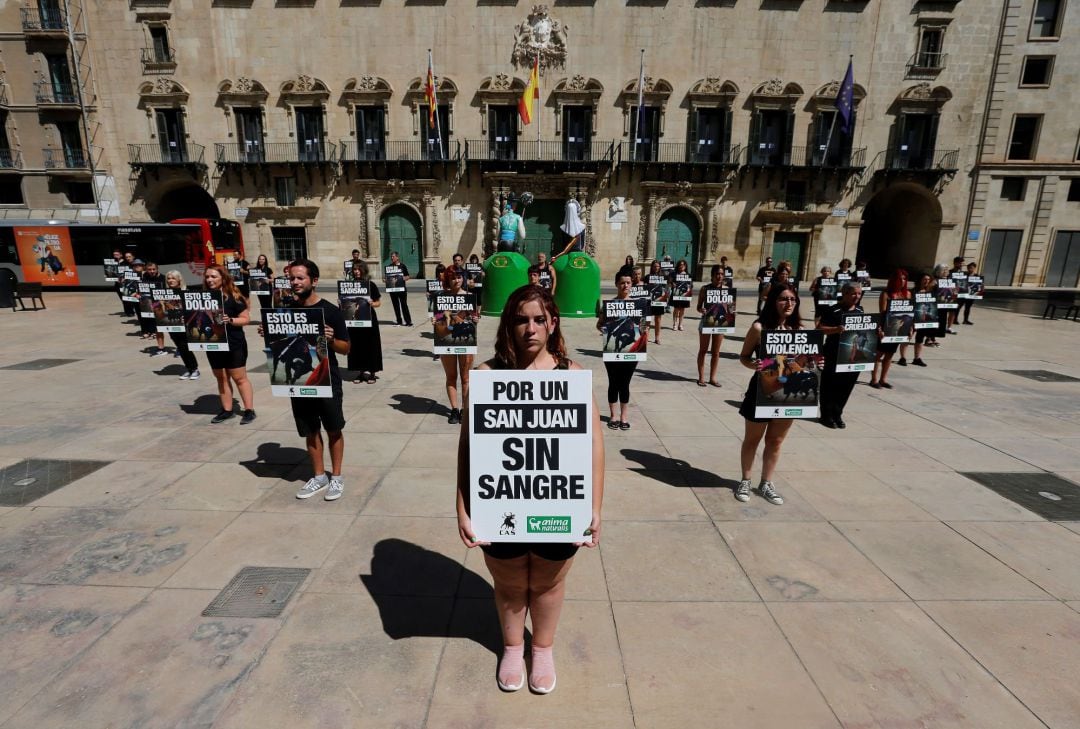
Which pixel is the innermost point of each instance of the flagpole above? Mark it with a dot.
(539, 110)
(435, 104)
(640, 100)
(836, 114)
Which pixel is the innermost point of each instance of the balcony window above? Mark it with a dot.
(832, 146)
(171, 135)
(577, 132)
(309, 133)
(710, 136)
(1024, 138)
(71, 143)
(930, 56)
(437, 138)
(249, 134)
(59, 82)
(1036, 71)
(285, 191)
(1013, 188)
(502, 132)
(771, 134)
(371, 132)
(1046, 20)
(159, 44)
(645, 133)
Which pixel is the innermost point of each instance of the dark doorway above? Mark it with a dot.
(542, 221)
(771, 134)
(577, 132)
(916, 136)
(249, 134)
(645, 136)
(170, 131)
(309, 133)
(711, 135)
(185, 202)
(370, 132)
(400, 229)
(790, 246)
(900, 228)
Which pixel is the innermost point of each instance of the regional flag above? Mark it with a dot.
(429, 92)
(845, 99)
(532, 91)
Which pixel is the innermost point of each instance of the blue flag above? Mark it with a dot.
(845, 99)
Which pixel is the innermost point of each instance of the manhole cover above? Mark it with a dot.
(39, 364)
(1043, 375)
(1049, 496)
(257, 592)
(29, 480)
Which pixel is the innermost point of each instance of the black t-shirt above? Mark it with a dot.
(232, 309)
(333, 318)
(766, 272)
(833, 316)
(729, 275)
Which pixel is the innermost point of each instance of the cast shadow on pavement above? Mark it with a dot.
(413, 405)
(416, 353)
(272, 460)
(203, 405)
(662, 376)
(675, 472)
(421, 593)
(172, 370)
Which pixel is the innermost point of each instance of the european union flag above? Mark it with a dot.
(845, 99)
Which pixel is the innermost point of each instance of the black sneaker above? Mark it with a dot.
(902, 362)
(222, 416)
(248, 418)
(455, 417)
(840, 423)
(918, 362)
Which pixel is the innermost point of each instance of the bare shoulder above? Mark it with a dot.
(485, 365)
(574, 365)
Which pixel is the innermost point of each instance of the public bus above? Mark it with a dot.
(69, 254)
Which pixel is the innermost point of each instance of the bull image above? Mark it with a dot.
(508, 526)
(801, 384)
(622, 335)
(295, 354)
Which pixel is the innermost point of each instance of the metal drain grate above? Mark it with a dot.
(30, 479)
(1043, 375)
(1048, 495)
(257, 592)
(40, 364)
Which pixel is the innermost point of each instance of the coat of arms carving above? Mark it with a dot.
(540, 35)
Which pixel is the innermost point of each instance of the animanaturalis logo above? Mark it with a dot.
(308, 391)
(548, 525)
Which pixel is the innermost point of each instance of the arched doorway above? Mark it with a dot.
(188, 201)
(399, 230)
(900, 228)
(542, 233)
(677, 236)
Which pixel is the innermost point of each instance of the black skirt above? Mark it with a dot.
(365, 348)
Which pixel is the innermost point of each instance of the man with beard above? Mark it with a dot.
(319, 413)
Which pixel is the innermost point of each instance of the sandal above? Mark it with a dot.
(701, 383)
(357, 381)
(714, 383)
(371, 378)
(613, 424)
(624, 425)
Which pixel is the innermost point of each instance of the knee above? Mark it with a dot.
(773, 442)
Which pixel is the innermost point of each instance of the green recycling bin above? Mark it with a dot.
(504, 273)
(578, 287)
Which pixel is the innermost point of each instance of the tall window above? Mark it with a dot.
(645, 143)
(290, 243)
(710, 136)
(71, 144)
(309, 133)
(63, 92)
(916, 138)
(159, 44)
(249, 134)
(370, 132)
(502, 132)
(285, 191)
(931, 40)
(832, 146)
(170, 132)
(1025, 134)
(577, 132)
(771, 135)
(431, 135)
(1046, 21)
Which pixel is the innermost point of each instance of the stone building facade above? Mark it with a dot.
(306, 120)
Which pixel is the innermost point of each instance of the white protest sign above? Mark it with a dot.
(530, 455)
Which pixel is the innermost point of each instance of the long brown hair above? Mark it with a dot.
(769, 317)
(228, 286)
(505, 353)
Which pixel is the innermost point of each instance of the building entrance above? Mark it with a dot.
(790, 246)
(900, 228)
(399, 230)
(542, 234)
(677, 236)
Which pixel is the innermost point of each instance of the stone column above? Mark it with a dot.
(650, 228)
(431, 247)
(706, 244)
(372, 245)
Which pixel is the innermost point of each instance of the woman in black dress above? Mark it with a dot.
(230, 368)
(365, 353)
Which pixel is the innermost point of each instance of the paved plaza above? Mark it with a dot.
(890, 590)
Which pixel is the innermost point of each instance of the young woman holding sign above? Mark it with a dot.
(619, 373)
(678, 308)
(709, 343)
(896, 289)
(175, 281)
(529, 577)
(455, 365)
(779, 312)
(365, 343)
(231, 365)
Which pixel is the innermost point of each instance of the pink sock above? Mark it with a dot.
(512, 667)
(542, 678)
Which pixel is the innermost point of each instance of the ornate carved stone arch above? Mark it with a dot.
(304, 90)
(498, 90)
(656, 93)
(690, 204)
(824, 99)
(923, 97)
(366, 91)
(577, 91)
(775, 94)
(711, 91)
(446, 92)
(164, 93)
(243, 93)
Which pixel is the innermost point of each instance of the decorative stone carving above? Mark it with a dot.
(243, 89)
(540, 35)
(163, 91)
(243, 85)
(577, 83)
(304, 84)
(306, 87)
(642, 233)
(922, 94)
(501, 82)
(772, 87)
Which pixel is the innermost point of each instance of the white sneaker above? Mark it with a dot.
(185, 376)
(769, 493)
(742, 491)
(194, 375)
(312, 487)
(335, 491)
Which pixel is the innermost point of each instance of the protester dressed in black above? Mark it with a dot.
(152, 276)
(619, 373)
(365, 350)
(230, 368)
(400, 298)
(175, 282)
(836, 386)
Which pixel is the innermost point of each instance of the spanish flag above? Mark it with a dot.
(532, 91)
(429, 92)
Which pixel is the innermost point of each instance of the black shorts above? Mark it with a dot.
(235, 358)
(553, 552)
(312, 413)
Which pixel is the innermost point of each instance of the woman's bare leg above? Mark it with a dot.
(751, 437)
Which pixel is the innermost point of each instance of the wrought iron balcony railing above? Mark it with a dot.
(916, 160)
(242, 153)
(10, 160)
(158, 57)
(928, 62)
(681, 153)
(65, 159)
(186, 153)
(43, 20)
(531, 150)
(55, 93)
(762, 155)
(352, 150)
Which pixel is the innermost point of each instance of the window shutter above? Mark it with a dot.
(931, 138)
(725, 136)
(790, 137)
